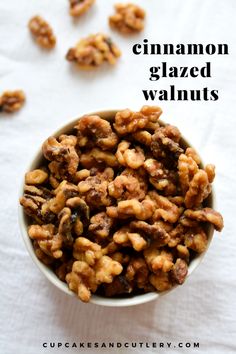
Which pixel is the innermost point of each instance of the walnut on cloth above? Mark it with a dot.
(119, 207)
(128, 18)
(12, 101)
(79, 7)
(93, 51)
(42, 32)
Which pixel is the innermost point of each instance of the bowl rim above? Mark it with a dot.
(51, 276)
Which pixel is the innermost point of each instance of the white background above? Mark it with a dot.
(31, 309)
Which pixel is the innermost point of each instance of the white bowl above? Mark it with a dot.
(51, 276)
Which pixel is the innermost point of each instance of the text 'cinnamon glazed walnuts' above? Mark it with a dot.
(119, 207)
(93, 51)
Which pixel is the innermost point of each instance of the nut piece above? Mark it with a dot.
(165, 143)
(11, 101)
(95, 191)
(161, 178)
(161, 281)
(86, 250)
(126, 187)
(206, 215)
(129, 18)
(115, 213)
(179, 271)
(98, 157)
(126, 238)
(164, 208)
(96, 131)
(93, 51)
(36, 177)
(48, 242)
(155, 231)
(42, 32)
(196, 239)
(63, 152)
(199, 189)
(137, 272)
(158, 259)
(106, 268)
(82, 280)
(133, 158)
(127, 122)
(101, 224)
(132, 208)
(79, 7)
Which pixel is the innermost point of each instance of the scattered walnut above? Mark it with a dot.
(79, 7)
(11, 101)
(129, 18)
(179, 271)
(95, 130)
(93, 51)
(42, 32)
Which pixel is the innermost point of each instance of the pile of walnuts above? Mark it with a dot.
(119, 208)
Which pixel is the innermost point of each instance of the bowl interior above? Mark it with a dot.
(24, 222)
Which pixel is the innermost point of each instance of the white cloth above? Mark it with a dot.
(32, 310)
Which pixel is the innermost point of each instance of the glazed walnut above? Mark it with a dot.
(127, 122)
(42, 32)
(133, 158)
(62, 152)
(126, 237)
(206, 215)
(126, 187)
(49, 242)
(93, 51)
(79, 7)
(12, 101)
(128, 18)
(120, 207)
(93, 130)
(101, 224)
